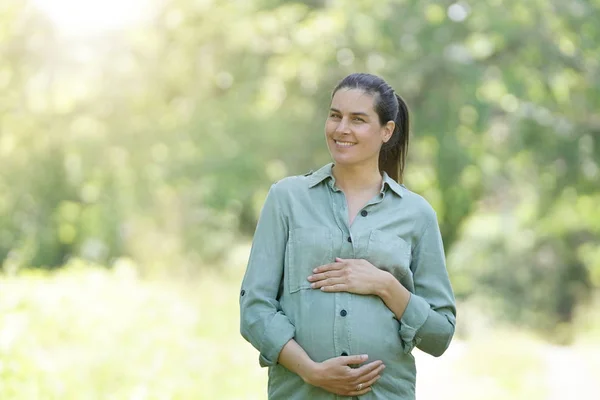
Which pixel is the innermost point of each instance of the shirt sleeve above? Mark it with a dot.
(262, 322)
(430, 316)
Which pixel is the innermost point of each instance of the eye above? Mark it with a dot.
(358, 119)
(334, 115)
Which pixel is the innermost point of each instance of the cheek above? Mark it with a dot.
(329, 127)
(371, 136)
(375, 143)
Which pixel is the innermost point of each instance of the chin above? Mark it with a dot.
(352, 159)
(343, 159)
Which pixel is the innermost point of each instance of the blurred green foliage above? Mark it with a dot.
(159, 142)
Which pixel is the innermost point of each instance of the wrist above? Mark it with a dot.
(394, 295)
(383, 289)
(309, 372)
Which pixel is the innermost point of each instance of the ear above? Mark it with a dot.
(387, 131)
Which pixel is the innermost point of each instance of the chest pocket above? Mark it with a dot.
(308, 248)
(390, 253)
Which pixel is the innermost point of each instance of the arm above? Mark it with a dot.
(262, 322)
(427, 316)
(334, 375)
(294, 358)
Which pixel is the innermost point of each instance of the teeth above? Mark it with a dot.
(345, 144)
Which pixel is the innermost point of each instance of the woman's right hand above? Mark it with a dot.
(336, 376)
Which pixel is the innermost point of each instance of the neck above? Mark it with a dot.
(357, 178)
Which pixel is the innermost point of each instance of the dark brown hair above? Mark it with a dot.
(389, 106)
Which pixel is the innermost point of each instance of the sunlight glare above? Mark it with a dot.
(93, 16)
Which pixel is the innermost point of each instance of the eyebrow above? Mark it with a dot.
(352, 113)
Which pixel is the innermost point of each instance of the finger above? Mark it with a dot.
(353, 360)
(365, 379)
(339, 287)
(359, 373)
(359, 393)
(328, 282)
(324, 275)
(328, 267)
(366, 385)
(345, 260)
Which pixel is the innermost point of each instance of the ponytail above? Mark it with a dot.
(392, 157)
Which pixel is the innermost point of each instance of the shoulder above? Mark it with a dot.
(291, 185)
(419, 206)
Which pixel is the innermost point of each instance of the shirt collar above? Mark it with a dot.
(314, 178)
(392, 184)
(326, 172)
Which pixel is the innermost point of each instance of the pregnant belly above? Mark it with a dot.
(376, 330)
(366, 327)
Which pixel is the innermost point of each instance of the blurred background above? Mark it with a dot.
(138, 139)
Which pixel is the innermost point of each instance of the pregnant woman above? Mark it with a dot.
(347, 271)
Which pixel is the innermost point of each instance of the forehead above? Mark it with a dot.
(353, 100)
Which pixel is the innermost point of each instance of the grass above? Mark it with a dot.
(89, 333)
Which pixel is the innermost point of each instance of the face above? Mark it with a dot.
(353, 132)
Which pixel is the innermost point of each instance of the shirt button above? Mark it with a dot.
(364, 213)
(349, 239)
(343, 313)
(243, 292)
(344, 354)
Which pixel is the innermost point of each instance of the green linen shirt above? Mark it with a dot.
(304, 224)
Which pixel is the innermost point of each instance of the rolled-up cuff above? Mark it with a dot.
(414, 317)
(279, 331)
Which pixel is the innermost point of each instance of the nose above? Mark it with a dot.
(343, 126)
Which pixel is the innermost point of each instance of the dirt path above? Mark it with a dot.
(438, 376)
(567, 374)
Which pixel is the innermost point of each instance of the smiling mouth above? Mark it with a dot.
(344, 144)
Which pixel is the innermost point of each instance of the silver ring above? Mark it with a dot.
(359, 387)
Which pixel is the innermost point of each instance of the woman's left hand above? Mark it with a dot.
(348, 275)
